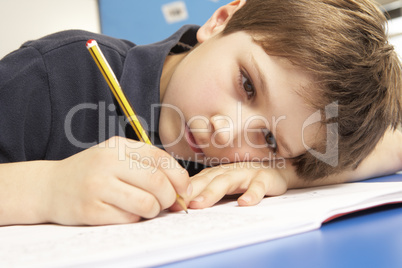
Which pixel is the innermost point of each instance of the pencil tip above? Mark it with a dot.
(181, 202)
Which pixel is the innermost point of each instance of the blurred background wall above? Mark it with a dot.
(21, 20)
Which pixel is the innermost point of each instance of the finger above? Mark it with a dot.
(137, 174)
(260, 186)
(226, 183)
(177, 207)
(131, 199)
(199, 185)
(201, 180)
(149, 155)
(149, 179)
(104, 213)
(255, 192)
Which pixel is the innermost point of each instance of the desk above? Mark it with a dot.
(371, 238)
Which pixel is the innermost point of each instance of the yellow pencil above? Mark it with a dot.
(118, 93)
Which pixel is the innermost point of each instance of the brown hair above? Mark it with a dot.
(344, 45)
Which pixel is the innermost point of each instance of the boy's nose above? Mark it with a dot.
(223, 131)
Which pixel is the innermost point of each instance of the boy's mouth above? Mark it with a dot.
(191, 141)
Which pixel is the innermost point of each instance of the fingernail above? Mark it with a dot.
(199, 198)
(189, 189)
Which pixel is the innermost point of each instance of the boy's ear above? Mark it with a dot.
(218, 20)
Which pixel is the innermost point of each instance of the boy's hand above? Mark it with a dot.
(118, 181)
(253, 180)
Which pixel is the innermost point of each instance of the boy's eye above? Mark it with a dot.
(247, 86)
(270, 140)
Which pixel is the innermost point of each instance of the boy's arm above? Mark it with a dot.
(385, 159)
(255, 182)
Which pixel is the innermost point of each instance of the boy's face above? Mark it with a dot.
(228, 101)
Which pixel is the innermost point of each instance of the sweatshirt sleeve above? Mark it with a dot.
(25, 107)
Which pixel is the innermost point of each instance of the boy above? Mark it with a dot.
(248, 95)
